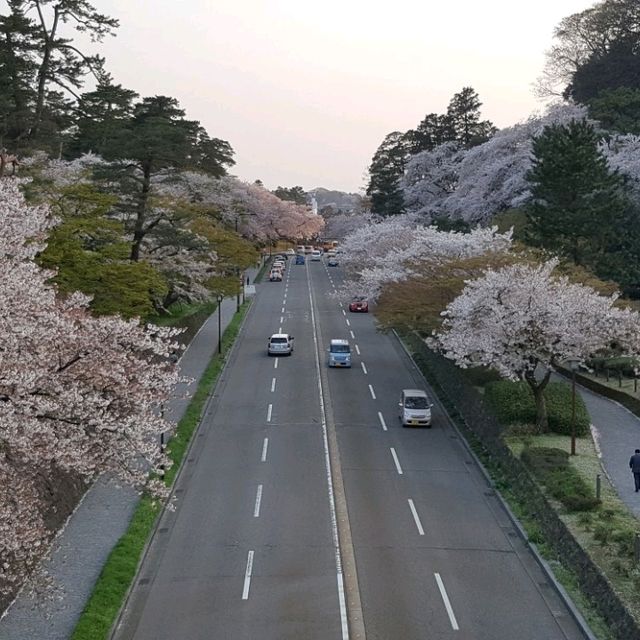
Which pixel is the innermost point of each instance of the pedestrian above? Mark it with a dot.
(247, 281)
(634, 465)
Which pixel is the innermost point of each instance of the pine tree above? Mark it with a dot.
(579, 207)
(385, 171)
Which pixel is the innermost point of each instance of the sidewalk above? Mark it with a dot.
(618, 435)
(101, 518)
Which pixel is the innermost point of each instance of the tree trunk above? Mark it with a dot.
(537, 388)
(139, 230)
(43, 72)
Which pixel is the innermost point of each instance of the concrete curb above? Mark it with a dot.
(542, 563)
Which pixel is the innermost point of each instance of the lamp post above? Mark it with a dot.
(220, 299)
(573, 363)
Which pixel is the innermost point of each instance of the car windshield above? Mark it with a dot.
(278, 340)
(340, 348)
(415, 402)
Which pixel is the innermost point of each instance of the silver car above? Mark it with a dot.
(414, 408)
(280, 344)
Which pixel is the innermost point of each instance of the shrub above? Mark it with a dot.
(513, 403)
(563, 482)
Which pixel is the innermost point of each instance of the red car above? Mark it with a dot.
(359, 303)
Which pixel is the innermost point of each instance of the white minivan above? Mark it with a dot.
(339, 353)
(415, 408)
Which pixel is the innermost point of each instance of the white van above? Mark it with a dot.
(415, 408)
(339, 353)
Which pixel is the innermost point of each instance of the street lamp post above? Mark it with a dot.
(220, 299)
(573, 363)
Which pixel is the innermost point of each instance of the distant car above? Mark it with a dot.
(280, 344)
(308, 248)
(300, 248)
(275, 276)
(278, 264)
(359, 303)
(414, 408)
(331, 253)
(282, 256)
(316, 255)
(290, 252)
(332, 262)
(300, 259)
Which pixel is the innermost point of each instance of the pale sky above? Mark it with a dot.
(305, 92)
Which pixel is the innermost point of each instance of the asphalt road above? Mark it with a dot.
(251, 549)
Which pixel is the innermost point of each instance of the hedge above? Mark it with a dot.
(513, 403)
(563, 482)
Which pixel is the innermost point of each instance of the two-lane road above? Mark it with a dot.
(252, 549)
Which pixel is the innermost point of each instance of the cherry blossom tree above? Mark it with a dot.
(77, 392)
(473, 185)
(523, 320)
(397, 249)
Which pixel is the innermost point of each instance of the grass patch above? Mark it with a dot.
(121, 566)
(513, 403)
(263, 269)
(179, 311)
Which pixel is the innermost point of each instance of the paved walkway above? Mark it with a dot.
(618, 435)
(100, 519)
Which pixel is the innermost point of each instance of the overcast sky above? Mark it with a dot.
(305, 92)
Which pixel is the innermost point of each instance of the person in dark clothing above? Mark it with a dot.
(634, 465)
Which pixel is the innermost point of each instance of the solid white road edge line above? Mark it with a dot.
(265, 446)
(332, 501)
(269, 410)
(247, 576)
(273, 385)
(382, 422)
(363, 368)
(372, 392)
(256, 508)
(447, 604)
(416, 517)
(357, 347)
(395, 459)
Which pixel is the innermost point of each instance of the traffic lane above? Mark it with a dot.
(467, 576)
(451, 479)
(241, 498)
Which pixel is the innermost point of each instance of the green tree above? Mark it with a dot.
(293, 194)
(18, 70)
(90, 254)
(617, 110)
(385, 171)
(433, 131)
(60, 62)
(102, 115)
(156, 137)
(618, 67)
(464, 114)
(579, 207)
